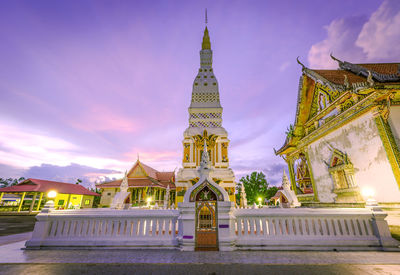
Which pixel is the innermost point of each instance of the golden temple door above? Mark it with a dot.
(206, 221)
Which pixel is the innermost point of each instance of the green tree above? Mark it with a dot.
(255, 186)
(10, 181)
(78, 181)
(96, 200)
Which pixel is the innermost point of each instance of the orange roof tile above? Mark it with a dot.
(37, 185)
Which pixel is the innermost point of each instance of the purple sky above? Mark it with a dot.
(87, 85)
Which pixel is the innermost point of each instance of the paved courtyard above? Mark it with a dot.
(14, 260)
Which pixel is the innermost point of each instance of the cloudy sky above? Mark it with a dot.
(86, 86)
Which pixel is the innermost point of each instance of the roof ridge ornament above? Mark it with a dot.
(334, 58)
(365, 72)
(346, 82)
(370, 80)
(302, 65)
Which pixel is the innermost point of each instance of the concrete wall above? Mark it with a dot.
(361, 141)
(106, 199)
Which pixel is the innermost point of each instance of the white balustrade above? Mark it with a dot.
(106, 227)
(244, 229)
(306, 228)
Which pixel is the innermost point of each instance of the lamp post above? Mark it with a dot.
(259, 201)
(369, 193)
(49, 204)
(148, 201)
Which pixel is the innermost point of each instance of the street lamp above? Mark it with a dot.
(368, 193)
(52, 194)
(259, 200)
(148, 201)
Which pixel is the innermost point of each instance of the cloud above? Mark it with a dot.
(342, 34)
(380, 36)
(360, 39)
(284, 66)
(70, 173)
(8, 171)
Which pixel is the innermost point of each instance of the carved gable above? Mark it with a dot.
(137, 172)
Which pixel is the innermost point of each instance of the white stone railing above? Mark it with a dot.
(308, 229)
(243, 229)
(106, 228)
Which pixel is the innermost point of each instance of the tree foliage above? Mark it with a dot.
(255, 186)
(10, 181)
(96, 199)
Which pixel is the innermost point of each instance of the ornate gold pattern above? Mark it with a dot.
(389, 143)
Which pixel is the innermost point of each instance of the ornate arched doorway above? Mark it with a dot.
(206, 217)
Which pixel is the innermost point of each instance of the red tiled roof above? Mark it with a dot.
(165, 176)
(36, 185)
(337, 76)
(382, 68)
(136, 182)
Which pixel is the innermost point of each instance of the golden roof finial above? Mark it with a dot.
(206, 45)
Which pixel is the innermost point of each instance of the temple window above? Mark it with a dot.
(303, 178)
(341, 170)
(205, 84)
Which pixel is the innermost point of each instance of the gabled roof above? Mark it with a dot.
(347, 77)
(151, 178)
(148, 171)
(37, 185)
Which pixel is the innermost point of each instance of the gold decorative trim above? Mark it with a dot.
(389, 143)
(315, 191)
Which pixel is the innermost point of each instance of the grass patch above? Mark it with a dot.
(395, 230)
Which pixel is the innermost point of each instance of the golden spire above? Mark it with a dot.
(206, 45)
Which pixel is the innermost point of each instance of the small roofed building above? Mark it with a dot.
(285, 196)
(32, 195)
(146, 185)
(344, 146)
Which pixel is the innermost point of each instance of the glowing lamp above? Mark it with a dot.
(148, 201)
(367, 192)
(52, 194)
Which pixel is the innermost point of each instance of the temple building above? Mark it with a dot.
(344, 145)
(146, 185)
(31, 195)
(205, 124)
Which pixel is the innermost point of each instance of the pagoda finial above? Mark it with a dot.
(137, 156)
(206, 45)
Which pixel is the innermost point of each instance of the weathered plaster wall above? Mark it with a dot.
(394, 122)
(360, 140)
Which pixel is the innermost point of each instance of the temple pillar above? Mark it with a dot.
(191, 152)
(32, 203)
(219, 152)
(40, 201)
(21, 201)
(290, 164)
(69, 198)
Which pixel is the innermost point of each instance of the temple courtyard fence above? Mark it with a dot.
(248, 229)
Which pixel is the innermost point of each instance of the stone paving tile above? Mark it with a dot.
(12, 253)
(193, 269)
